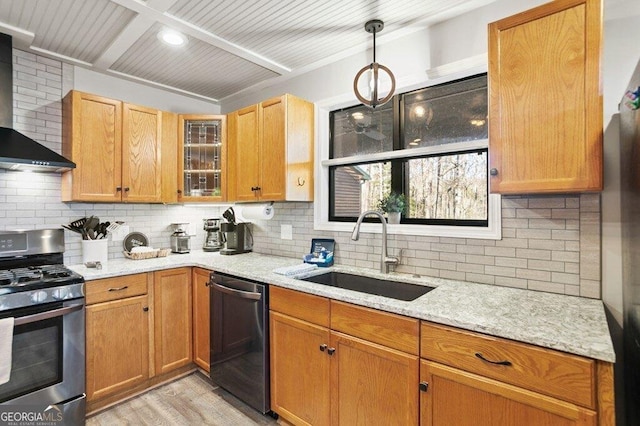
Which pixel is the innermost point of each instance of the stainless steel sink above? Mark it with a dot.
(380, 287)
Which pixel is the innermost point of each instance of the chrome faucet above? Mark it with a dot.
(385, 261)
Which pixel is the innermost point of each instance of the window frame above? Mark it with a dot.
(440, 75)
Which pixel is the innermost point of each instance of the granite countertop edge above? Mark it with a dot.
(566, 323)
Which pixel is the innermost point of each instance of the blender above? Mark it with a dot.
(214, 240)
(180, 239)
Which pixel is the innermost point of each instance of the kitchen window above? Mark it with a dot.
(428, 144)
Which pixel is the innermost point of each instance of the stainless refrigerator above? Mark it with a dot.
(630, 203)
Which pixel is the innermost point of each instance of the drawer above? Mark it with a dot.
(391, 330)
(115, 288)
(308, 307)
(564, 376)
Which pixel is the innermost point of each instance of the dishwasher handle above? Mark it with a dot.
(234, 292)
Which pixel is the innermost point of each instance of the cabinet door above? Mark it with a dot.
(117, 346)
(201, 327)
(372, 384)
(202, 158)
(300, 138)
(545, 99)
(456, 397)
(299, 370)
(93, 140)
(141, 147)
(246, 152)
(172, 319)
(272, 149)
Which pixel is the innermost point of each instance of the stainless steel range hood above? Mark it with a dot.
(17, 151)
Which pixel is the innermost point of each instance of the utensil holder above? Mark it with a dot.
(95, 251)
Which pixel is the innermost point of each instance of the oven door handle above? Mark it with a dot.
(46, 315)
(233, 292)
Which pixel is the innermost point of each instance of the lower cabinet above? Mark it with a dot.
(300, 375)
(117, 335)
(499, 382)
(172, 319)
(330, 364)
(334, 363)
(372, 384)
(480, 401)
(138, 333)
(201, 323)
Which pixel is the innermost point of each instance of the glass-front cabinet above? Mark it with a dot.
(202, 158)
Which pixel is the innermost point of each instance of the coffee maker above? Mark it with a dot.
(214, 241)
(180, 240)
(238, 236)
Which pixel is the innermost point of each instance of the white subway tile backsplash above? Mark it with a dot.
(550, 243)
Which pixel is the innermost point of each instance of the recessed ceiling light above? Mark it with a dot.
(172, 38)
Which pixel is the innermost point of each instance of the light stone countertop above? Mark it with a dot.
(571, 324)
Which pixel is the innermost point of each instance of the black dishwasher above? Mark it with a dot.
(240, 338)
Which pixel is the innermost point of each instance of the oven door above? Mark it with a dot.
(48, 364)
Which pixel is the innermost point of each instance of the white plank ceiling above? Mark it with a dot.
(233, 44)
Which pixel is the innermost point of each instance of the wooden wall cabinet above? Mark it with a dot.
(271, 151)
(201, 321)
(330, 363)
(172, 299)
(545, 99)
(116, 147)
(117, 330)
(202, 158)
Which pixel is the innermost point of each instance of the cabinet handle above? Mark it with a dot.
(323, 347)
(301, 181)
(126, 189)
(493, 172)
(424, 386)
(146, 309)
(179, 191)
(507, 363)
(118, 188)
(118, 288)
(331, 351)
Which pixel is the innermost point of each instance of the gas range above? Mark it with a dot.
(43, 303)
(32, 272)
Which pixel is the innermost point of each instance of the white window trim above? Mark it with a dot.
(445, 73)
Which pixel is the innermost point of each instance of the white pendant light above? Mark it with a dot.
(376, 75)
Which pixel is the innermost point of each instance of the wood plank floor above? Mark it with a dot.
(191, 400)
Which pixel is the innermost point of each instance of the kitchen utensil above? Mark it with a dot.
(101, 230)
(72, 229)
(134, 239)
(78, 223)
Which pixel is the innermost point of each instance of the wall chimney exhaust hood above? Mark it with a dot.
(17, 151)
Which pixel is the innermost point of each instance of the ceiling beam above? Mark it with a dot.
(157, 12)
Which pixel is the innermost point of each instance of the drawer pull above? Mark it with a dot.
(323, 347)
(331, 351)
(479, 355)
(119, 288)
